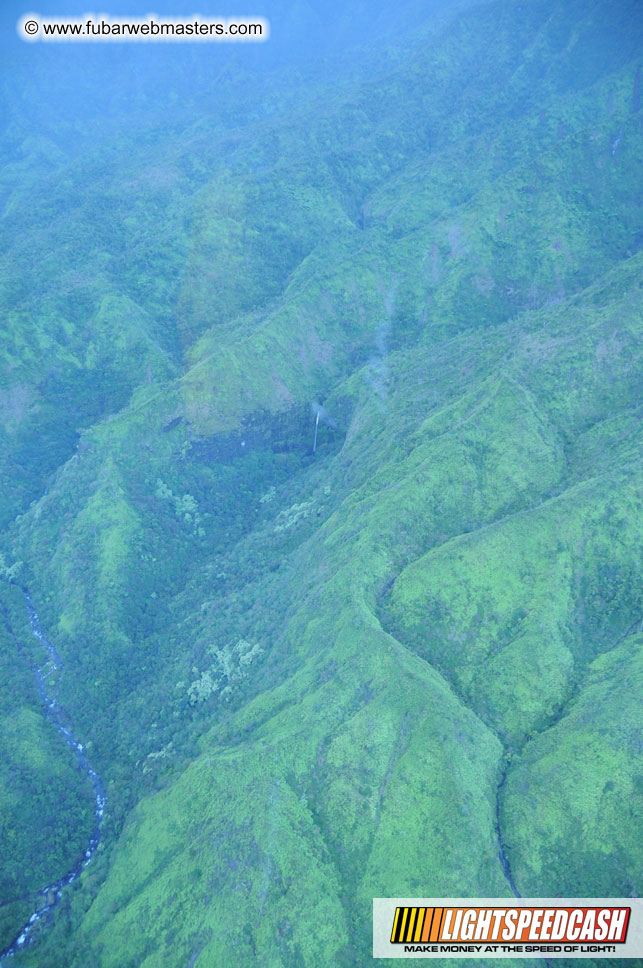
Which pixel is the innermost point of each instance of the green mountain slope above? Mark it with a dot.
(47, 815)
(315, 665)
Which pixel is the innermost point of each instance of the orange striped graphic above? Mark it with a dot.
(428, 921)
(438, 918)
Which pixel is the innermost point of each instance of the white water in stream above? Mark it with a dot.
(52, 893)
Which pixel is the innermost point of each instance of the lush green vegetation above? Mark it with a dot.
(303, 675)
(47, 814)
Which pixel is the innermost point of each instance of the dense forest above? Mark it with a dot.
(320, 459)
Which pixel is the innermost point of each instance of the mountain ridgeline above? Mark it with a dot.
(320, 456)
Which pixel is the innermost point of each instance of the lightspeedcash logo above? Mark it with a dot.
(525, 927)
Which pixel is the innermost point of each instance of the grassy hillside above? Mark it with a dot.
(314, 675)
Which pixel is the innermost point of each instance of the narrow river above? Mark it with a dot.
(52, 893)
(502, 857)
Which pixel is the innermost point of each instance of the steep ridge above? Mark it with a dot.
(358, 675)
(308, 661)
